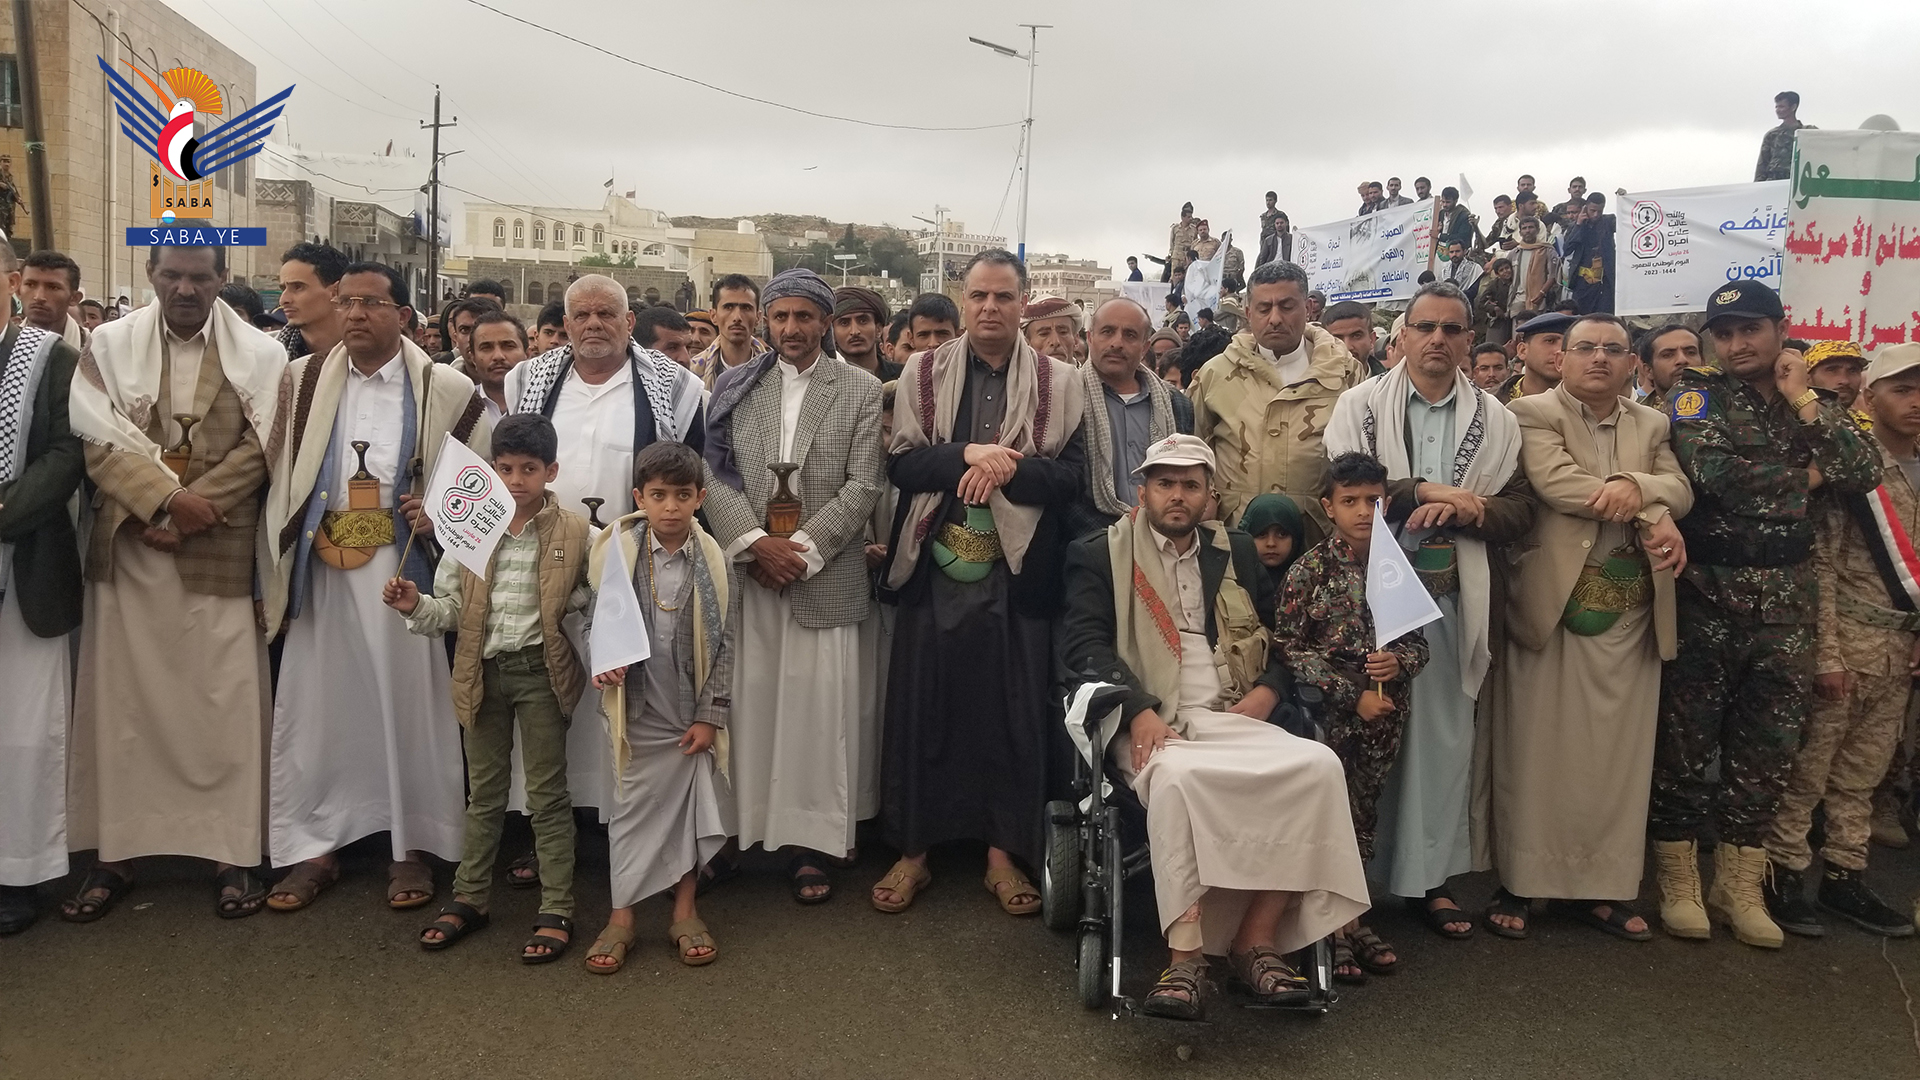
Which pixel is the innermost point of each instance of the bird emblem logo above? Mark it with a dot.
(170, 128)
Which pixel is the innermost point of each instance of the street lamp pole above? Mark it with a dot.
(1026, 133)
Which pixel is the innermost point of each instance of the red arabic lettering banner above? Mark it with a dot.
(1853, 241)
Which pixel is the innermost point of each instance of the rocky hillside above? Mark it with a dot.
(790, 225)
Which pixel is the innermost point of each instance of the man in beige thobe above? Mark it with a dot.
(1566, 752)
(170, 703)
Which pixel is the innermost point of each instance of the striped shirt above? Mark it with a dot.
(513, 606)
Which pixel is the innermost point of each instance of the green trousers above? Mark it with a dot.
(516, 685)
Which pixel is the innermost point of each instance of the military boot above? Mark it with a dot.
(1885, 828)
(1677, 868)
(1844, 893)
(1786, 894)
(1736, 895)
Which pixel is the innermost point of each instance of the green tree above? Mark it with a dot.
(896, 256)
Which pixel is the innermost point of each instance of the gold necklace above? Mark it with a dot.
(652, 590)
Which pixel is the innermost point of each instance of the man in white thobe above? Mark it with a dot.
(364, 737)
(41, 466)
(799, 764)
(609, 399)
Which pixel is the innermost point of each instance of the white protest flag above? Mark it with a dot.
(1399, 602)
(469, 505)
(618, 636)
(1203, 278)
(1466, 190)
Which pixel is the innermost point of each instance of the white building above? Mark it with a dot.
(1072, 279)
(945, 251)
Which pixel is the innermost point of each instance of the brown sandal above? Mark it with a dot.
(614, 941)
(1263, 966)
(305, 882)
(407, 876)
(905, 880)
(1187, 977)
(688, 935)
(1022, 889)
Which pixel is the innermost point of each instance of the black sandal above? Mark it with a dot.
(1187, 977)
(718, 871)
(83, 908)
(1513, 907)
(556, 948)
(1343, 958)
(805, 872)
(1438, 919)
(1614, 923)
(252, 897)
(472, 921)
(529, 862)
(1368, 948)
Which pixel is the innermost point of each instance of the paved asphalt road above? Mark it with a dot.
(162, 988)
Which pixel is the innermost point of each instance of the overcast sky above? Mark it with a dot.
(1139, 106)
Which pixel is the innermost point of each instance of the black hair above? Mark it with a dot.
(1597, 199)
(1353, 469)
(901, 324)
(487, 287)
(1426, 278)
(1567, 307)
(527, 433)
(1490, 347)
(219, 253)
(1204, 313)
(1581, 180)
(396, 285)
(1273, 194)
(1450, 193)
(1796, 345)
(1182, 318)
(1496, 264)
(934, 307)
(94, 304)
(477, 305)
(734, 281)
(1503, 198)
(495, 315)
(1132, 259)
(1523, 316)
(553, 314)
(54, 260)
(1446, 290)
(1788, 96)
(1645, 344)
(1345, 309)
(647, 324)
(243, 299)
(328, 262)
(998, 257)
(1274, 273)
(669, 462)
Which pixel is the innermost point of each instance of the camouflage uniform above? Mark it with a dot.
(1849, 743)
(1738, 688)
(1183, 236)
(1776, 152)
(1325, 631)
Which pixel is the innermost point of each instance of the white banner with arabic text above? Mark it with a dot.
(1377, 257)
(1674, 248)
(1853, 242)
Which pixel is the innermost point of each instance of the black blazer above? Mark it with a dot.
(33, 508)
(1089, 629)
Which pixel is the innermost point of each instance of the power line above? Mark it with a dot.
(732, 93)
(303, 75)
(268, 4)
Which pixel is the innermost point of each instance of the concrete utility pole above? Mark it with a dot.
(433, 227)
(1026, 134)
(39, 202)
(939, 223)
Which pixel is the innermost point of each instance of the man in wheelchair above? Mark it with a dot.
(1252, 841)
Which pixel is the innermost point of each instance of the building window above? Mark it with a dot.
(519, 233)
(579, 235)
(539, 234)
(499, 232)
(534, 292)
(555, 291)
(10, 110)
(599, 238)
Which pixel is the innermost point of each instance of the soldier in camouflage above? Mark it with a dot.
(1763, 451)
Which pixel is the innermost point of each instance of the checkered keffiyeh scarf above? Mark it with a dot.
(25, 363)
(673, 406)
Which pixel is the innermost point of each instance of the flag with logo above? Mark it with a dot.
(1399, 602)
(469, 505)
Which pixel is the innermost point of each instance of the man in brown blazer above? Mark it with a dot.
(176, 403)
(1567, 746)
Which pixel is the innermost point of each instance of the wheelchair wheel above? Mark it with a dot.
(1060, 874)
(1092, 963)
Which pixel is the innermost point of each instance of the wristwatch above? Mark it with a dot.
(1806, 398)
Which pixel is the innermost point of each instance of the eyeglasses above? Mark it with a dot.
(1588, 348)
(1450, 329)
(353, 303)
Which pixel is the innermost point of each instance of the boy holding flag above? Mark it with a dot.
(506, 596)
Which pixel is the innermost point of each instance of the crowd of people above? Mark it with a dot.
(1673, 577)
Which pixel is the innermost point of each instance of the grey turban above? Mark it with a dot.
(803, 283)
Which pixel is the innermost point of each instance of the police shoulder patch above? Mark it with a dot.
(1690, 404)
